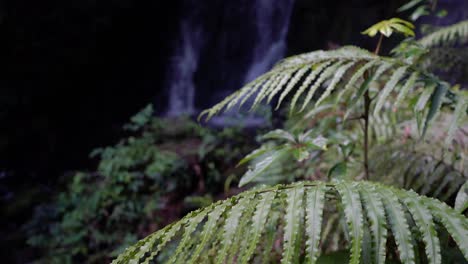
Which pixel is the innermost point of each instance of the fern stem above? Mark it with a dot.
(367, 102)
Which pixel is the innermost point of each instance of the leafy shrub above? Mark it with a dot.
(139, 185)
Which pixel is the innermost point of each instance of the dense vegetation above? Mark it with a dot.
(163, 170)
(369, 166)
(361, 117)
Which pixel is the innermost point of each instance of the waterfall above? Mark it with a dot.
(272, 24)
(252, 29)
(184, 64)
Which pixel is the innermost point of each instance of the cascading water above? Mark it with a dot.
(264, 23)
(184, 65)
(272, 29)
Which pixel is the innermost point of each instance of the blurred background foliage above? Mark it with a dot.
(164, 169)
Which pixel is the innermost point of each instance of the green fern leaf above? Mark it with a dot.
(246, 216)
(456, 33)
(338, 76)
(352, 81)
(436, 102)
(307, 82)
(325, 74)
(365, 86)
(397, 75)
(399, 225)
(187, 241)
(353, 212)
(460, 110)
(231, 226)
(208, 230)
(376, 215)
(291, 84)
(424, 222)
(405, 89)
(455, 223)
(259, 219)
(294, 214)
(461, 202)
(314, 211)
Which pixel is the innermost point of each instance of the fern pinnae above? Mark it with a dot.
(262, 91)
(297, 77)
(461, 201)
(425, 225)
(460, 110)
(271, 235)
(455, 223)
(208, 229)
(353, 214)
(352, 81)
(451, 34)
(209, 113)
(187, 240)
(167, 236)
(258, 224)
(405, 89)
(246, 91)
(307, 82)
(129, 255)
(399, 225)
(321, 78)
(252, 90)
(230, 226)
(294, 213)
(384, 66)
(314, 213)
(238, 244)
(388, 88)
(336, 78)
(375, 213)
(290, 78)
(436, 102)
(424, 97)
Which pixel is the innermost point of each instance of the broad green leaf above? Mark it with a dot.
(260, 167)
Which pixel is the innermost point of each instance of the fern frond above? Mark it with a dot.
(353, 212)
(258, 224)
(245, 217)
(398, 224)
(461, 201)
(426, 227)
(397, 75)
(453, 34)
(376, 215)
(314, 213)
(293, 217)
(231, 226)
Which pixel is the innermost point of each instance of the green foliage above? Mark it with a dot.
(129, 196)
(387, 27)
(401, 105)
(299, 147)
(322, 65)
(304, 203)
(447, 36)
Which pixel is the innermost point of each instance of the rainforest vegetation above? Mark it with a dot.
(341, 154)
